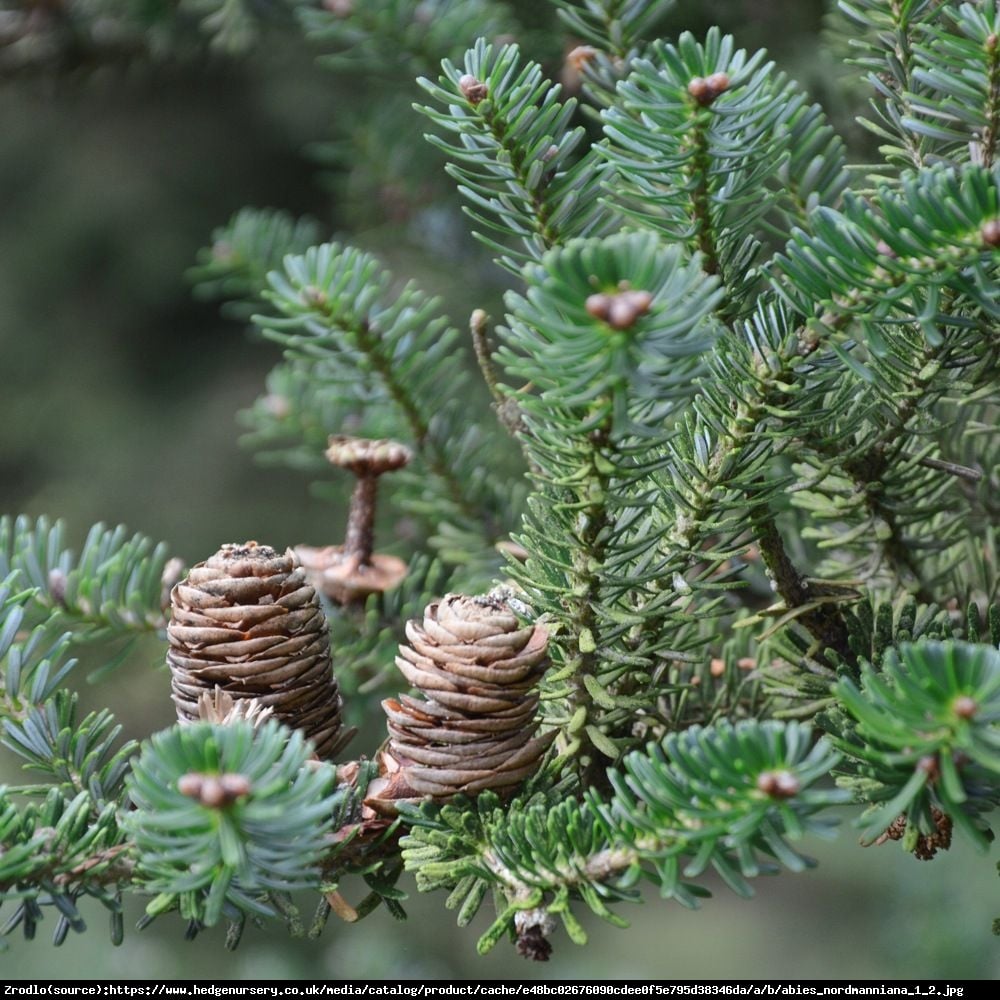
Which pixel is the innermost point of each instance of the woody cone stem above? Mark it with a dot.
(349, 573)
(359, 540)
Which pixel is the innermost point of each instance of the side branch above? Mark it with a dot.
(824, 621)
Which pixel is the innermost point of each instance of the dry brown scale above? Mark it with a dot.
(476, 727)
(247, 624)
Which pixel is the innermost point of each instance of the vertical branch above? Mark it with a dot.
(824, 621)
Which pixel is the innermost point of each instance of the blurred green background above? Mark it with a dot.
(118, 404)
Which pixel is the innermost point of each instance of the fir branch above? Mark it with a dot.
(667, 813)
(78, 755)
(923, 737)
(608, 338)
(712, 147)
(882, 476)
(884, 33)
(54, 852)
(340, 321)
(114, 587)
(823, 620)
(234, 26)
(514, 154)
(253, 242)
(869, 263)
(957, 65)
(243, 803)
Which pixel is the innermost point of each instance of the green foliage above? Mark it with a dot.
(56, 851)
(114, 586)
(76, 755)
(615, 25)
(515, 155)
(254, 242)
(959, 110)
(704, 170)
(924, 734)
(594, 428)
(270, 839)
(758, 416)
(32, 662)
(666, 822)
(383, 355)
(934, 73)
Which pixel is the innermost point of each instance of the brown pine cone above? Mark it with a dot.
(246, 623)
(476, 729)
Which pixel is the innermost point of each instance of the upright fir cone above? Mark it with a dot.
(476, 727)
(246, 624)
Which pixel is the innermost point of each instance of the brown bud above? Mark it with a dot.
(235, 785)
(990, 233)
(222, 252)
(746, 663)
(339, 8)
(699, 89)
(598, 305)
(627, 307)
(473, 90)
(717, 667)
(991, 42)
(314, 297)
(621, 315)
(928, 844)
(896, 829)
(276, 405)
(190, 785)
(212, 794)
(57, 586)
(778, 784)
(534, 927)
(717, 83)
(964, 706)
(884, 250)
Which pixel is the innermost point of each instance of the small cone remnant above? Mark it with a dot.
(475, 729)
(348, 573)
(534, 928)
(926, 845)
(246, 627)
